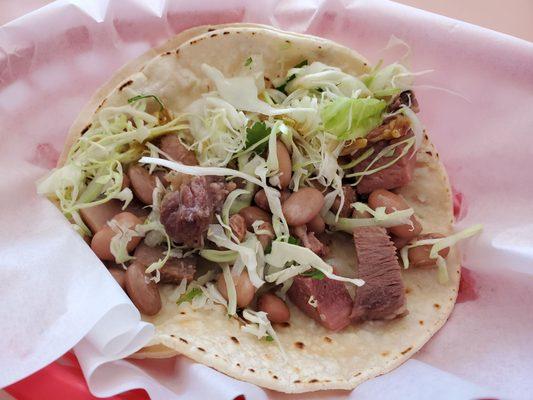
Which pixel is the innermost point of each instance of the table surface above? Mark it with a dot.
(514, 17)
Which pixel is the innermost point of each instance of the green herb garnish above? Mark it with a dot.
(248, 61)
(281, 88)
(255, 134)
(314, 274)
(187, 297)
(293, 240)
(269, 338)
(145, 96)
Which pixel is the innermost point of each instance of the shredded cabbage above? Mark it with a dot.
(230, 289)
(379, 218)
(283, 253)
(259, 326)
(247, 255)
(219, 256)
(349, 118)
(120, 240)
(437, 245)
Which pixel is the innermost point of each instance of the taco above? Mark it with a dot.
(270, 202)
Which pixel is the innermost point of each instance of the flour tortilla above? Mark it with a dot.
(316, 358)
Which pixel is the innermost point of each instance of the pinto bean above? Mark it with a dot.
(419, 256)
(171, 145)
(96, 217)
(238, 226)
(302, 206)
(162, 176)
(243, 286)
(120, 276)
(265, 238)
(391, 202)
(285, 164)
(317, 224)
(101, 241)
(261, 200)
(125, 182)
(143, 184)
(285, 194)
(276, 309)
(350, 197)
(142, 291)
(252, 214)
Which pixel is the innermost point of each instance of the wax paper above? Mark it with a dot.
(476, 103)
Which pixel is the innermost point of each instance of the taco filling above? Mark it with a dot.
(237, 199)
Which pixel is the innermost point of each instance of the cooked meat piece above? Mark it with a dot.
(171, 145)
(393, 127)
(174, 270)
(383, 294)
(187, 213)
(332, 300)
(310, 241)
(397, 175)
(177, 269)
(350, 196)
(406, 98)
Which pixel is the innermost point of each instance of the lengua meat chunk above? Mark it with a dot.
(187, 213)
(331, 298)
(383, 294)
(394, 176)
(174, 270)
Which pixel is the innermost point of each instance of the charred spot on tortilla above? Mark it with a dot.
(299, 345)
(421, 322)
(327, 339)
(406, 350)
(213, 35)
(225, 33)
(87, 127)
(183, 340)
(167, 53)
(385, 353)
(127, 83)
(201, 349)
(235, 339)
(314, 380)
(436, 305)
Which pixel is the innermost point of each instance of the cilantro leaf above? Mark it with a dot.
(269, 338)
(314, 274)
(281, 88)
(257, 133)
(293, 240)
(248, 61)
(187, 297)
(145, 96)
